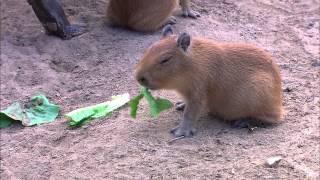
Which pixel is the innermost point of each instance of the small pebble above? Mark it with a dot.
(287, 89)
(273, 161)
(311, 24)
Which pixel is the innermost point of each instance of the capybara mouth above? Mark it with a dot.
(149, 86)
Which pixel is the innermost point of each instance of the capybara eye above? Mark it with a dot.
(165, 61)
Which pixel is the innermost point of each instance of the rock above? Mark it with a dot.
(288, 89)
(273, 161)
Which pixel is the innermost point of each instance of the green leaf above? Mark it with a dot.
(156, 105)
(163, 104)
(81, 116)
(152, 103)
(38, 111)
(5, 121)
(134, 105)
(41, 111)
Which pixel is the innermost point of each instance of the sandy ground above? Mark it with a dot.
(89, 69)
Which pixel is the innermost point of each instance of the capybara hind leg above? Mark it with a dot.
(247, 123)
(112, 20)
(187, 11)
(275, 119)
(113, 23)
(172, 20)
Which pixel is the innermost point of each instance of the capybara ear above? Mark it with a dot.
(184, 41)
(167, 31)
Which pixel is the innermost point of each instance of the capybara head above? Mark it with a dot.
(163, 64)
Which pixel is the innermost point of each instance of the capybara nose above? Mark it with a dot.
(142, 80)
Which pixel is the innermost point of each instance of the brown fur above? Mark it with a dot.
(231, 81)
(140, 15)
(145, 15)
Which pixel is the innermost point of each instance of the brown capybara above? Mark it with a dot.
(230, 81)
(145, 15)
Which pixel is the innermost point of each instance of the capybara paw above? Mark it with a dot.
(172, 20)
(247, 123)
(240, 123)
(190, 13)
(180, 106)
(183, 131)
(73, 30)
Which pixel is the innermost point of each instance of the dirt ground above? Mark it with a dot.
(89, 69)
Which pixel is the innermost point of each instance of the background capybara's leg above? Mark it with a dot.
(53, 18)
(187, 11)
